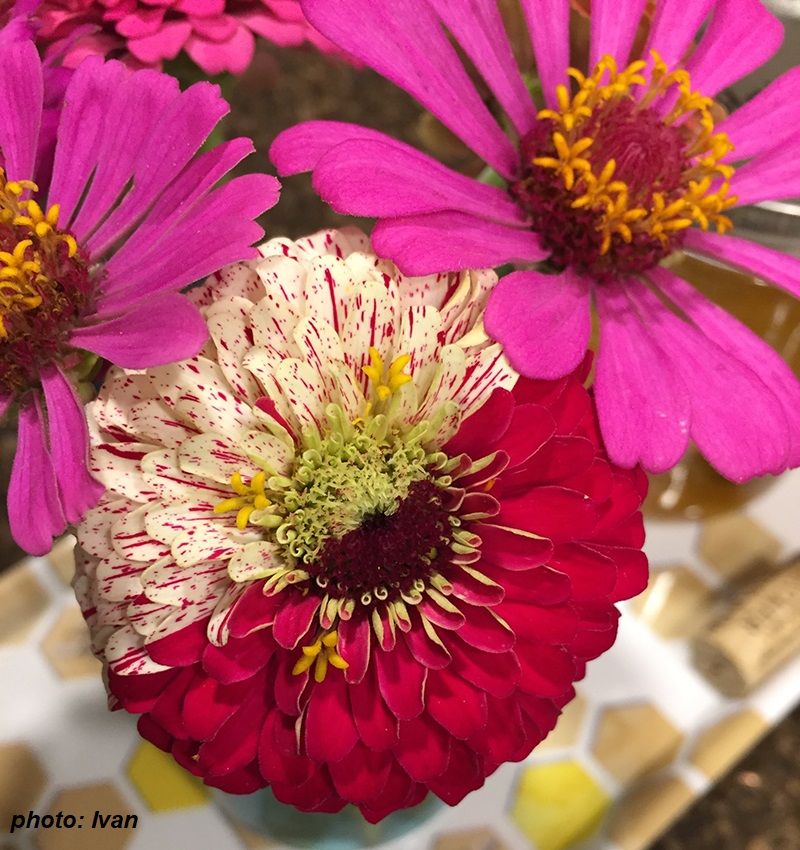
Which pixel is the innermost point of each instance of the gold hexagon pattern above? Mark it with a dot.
(22, 601)
(643, 814)
(568, 728)
(162, 783)
(675, 604)
(633, 740)
(67, 648)
(22, 780)
(718, 748)
(734, 543)
(470, 839)
(558, 804)
(105, 820)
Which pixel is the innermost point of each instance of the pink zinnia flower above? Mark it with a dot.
(345, 551)
(603, 185)
(218, 35)
(96, 240)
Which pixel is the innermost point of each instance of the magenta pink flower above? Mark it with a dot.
(96, 240)
(218, 35)
(621, 166)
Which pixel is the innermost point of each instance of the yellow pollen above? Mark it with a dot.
(21, 276)
(395, 378)
(702, 195)
(320, 654)
(249, 497)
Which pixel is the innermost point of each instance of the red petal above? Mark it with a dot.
(399, 792)
(557, 624)
(505, 732)
(168, 708)
(239, 659)
(376, 723)
(329, 729)
(539, 586)
(402, 680)
(208, 705)
(243, 781)
(294, 618)
(155, 734)
(275, 763)
(483, 629)
(464, 773)
(560, 459)
(512, 548)
(494, 673)
(554, 512)
(632, 570)
(454, 704)
(291, 692)
(308, 795)
(547, 671)
(422, 748)
(482, 429)
(530, 429)
(425, 650)
(354, 646)
(361, 775)
(181, 648)
(137, 694)
(469, 588)
(591, 573)
(252, 610)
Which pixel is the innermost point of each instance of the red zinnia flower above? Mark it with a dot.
(410, 565)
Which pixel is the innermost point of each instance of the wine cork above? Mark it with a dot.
(756, 636)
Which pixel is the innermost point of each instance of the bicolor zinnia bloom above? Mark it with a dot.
(217, 35)
(621, 166)
(97, 237)
(345, 551)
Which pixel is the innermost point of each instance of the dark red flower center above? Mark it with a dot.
(387, 553)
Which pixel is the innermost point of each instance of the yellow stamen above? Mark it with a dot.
(394, 379)
(320, 654)
(575, 158)
(249, 497)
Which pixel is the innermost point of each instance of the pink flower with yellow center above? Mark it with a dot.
(346, 551)
(106, 212)
(218, 35)
(618, 168)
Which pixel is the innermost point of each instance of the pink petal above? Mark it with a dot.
(613, 27)
(294, 619)
(388, 178)
(743, 345)
(548, 24)
(741, 37)
(140, 23)
(452, 241)
(69, 445)
(162, 329)
(769, 177)
(5, 402)
(233, 55)
(776, 267)
(406, 44)
(21, 94)
(34, 508)
(674, 26)
(768, 121)
(165, 44)
(642, 402)
(543, 321)
(301, 147)
(477, 27)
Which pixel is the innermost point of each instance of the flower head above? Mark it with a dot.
(345, 551)
(623, 164)
(99, 231)
(218, 35)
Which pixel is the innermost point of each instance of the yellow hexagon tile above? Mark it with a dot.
(718, 748)
(22, 780)
(643, 814)
(632, 740)
(733, 543)
(67, 647)
(568, 729)
(470, 839)
(22, 601)
(162, 783)
(104, 820)
(676, 603)
(558, 804)
(62, 559)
